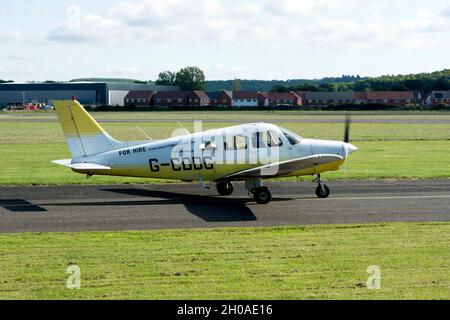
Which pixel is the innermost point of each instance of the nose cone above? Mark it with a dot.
(350, 148)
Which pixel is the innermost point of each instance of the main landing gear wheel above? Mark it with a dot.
(225, 188)
(262, 195)
(322, 190)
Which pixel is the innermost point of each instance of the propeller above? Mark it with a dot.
(348, 147)
(348, 122)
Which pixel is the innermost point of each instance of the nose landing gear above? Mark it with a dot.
(225, 188)
(322, 190)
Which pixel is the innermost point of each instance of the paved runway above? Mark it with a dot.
(137, 207)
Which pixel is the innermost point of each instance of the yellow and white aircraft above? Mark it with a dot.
(249, 152)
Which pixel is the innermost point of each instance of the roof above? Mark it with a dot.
(201, 94)
(384, 95)
(214, 95)
(245, 95)
(145, 94)
(172, 94)
(329, 96)
(80, 86)
(282, 95)
(217, 94)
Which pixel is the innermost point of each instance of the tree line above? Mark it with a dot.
(423, 82)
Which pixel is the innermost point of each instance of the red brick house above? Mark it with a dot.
(398, 98)
(288, 99)
(222, 98)
(197, 99)
(171, 98)
(139, 98)
(263, 99)
(245, 99)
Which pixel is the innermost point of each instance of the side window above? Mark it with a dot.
(258, 141)
(241, 143)
(235, 143)
(275, 139)
(229, 143)
(266, 139)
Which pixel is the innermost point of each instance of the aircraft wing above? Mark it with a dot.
(80, 166)
(285, 167)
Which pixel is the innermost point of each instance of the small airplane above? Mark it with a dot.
(248, 152)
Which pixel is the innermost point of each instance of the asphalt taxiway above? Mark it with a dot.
(173, 206)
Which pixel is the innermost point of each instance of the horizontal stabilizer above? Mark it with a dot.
(80, 166)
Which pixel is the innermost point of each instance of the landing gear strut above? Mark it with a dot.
(225, 188)
(322, 190)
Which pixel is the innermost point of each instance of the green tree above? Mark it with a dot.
(280, 88)
(190, 78)
(442, 84)
(166, 78)
(362, 86)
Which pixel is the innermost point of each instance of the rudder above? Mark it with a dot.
(83, 134)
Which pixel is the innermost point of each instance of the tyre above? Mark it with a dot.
(323, 193)
(225, 188)
(262, 195)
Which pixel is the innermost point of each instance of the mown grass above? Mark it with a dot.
(317, 262)
(239, 114)
(386, 150)
(27, 133)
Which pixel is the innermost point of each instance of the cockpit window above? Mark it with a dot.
(266, 139)
(292, 137)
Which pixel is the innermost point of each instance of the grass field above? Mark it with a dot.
(314, 262)
(327, 262)
(387, 150)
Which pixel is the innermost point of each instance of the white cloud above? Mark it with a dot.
(286, 23)
(80, 28)
(445, 12)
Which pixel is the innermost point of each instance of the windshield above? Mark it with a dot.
(291, 137)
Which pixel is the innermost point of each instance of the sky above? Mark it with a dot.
(247, 39)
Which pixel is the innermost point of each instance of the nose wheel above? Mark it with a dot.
(225, 188)
(262, 195)
(322, 190)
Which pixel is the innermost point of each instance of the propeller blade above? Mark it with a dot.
(348, 122)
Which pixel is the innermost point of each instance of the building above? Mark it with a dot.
(181, 99)
(438, 97)
(397, 98)
(263, 99)
(171, 98)
(139, 98)
(284, 99)
(245, 99)
(198, 99)
(88, 93)
(327, 98)
(222, 98)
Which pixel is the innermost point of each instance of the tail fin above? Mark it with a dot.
(83, 134)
